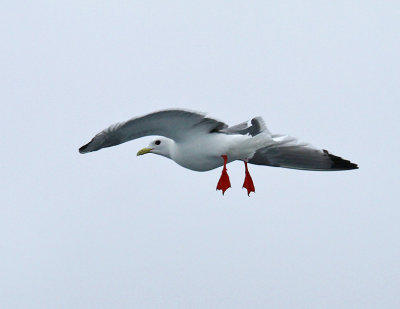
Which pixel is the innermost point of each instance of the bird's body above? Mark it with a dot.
(194, 156)
(199, 143)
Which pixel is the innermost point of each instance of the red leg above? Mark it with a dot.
(224, 183)
(248, 182)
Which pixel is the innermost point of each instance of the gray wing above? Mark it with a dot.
(176, 124)
(253, 127)
(288, 152)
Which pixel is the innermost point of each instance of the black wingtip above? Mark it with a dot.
(83, 148)
(339, 163)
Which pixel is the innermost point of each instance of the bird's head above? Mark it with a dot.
(160, 146)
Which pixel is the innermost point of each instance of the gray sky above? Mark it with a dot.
(110, 230)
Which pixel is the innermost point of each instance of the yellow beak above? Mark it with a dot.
(144, 151)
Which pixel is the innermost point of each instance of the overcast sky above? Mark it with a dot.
(112, 230)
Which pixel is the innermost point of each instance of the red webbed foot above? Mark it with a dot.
(248, 181)
(224, 182)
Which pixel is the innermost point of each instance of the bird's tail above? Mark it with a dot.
(247, 146)
(259, 141)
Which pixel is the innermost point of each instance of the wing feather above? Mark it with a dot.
(288, 152)
(176, 124)
(253, 127)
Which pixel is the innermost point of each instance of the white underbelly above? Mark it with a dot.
(200, 156)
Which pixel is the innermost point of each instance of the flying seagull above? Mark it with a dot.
(201, 143)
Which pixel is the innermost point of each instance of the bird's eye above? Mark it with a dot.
(157, 142)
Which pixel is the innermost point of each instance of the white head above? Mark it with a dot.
(161, 146)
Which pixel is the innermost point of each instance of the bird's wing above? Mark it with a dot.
(176, 124)
(288, 152)
(253, 127)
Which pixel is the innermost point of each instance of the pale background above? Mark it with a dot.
(111, 230)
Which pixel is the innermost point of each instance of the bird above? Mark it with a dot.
(201, 143)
